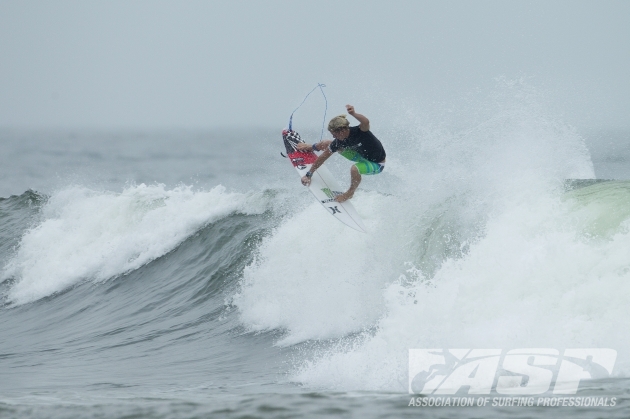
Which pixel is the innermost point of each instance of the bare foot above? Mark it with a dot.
(344, 196)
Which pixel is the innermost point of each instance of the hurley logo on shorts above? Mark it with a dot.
(512, 372)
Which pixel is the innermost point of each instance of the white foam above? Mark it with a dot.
(87, 234)
(315, 277)
(532, 281)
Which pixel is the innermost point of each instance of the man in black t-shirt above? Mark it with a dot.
(354, 143)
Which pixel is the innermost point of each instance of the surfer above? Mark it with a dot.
(354, 143)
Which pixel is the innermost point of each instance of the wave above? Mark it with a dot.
(478, 242)
(94, 235)
(170, 312)
(17, 214)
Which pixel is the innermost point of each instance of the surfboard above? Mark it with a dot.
(323, 185)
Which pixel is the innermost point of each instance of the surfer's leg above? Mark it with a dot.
(361, 167)
(355, 180)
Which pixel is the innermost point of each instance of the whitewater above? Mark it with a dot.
(145, 275)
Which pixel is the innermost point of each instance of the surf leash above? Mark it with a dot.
(319, 86)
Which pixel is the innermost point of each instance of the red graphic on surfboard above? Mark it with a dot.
(298, 158)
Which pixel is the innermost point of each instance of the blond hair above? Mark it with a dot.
(338, 122)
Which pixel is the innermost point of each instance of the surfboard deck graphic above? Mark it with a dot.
(323, 185)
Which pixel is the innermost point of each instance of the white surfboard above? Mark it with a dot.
(323, 185)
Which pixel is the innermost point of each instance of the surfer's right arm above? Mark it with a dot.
(306, 179)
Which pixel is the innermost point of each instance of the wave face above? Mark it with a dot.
(179, 301)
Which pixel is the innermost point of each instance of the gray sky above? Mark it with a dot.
(218, 63)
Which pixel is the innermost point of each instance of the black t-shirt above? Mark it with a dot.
(363, 142)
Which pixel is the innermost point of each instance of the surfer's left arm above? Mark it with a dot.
(364, 123)
(306, 180)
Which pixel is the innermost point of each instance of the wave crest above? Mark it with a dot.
(87, 234)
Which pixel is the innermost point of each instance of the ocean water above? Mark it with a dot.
(181, 273)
